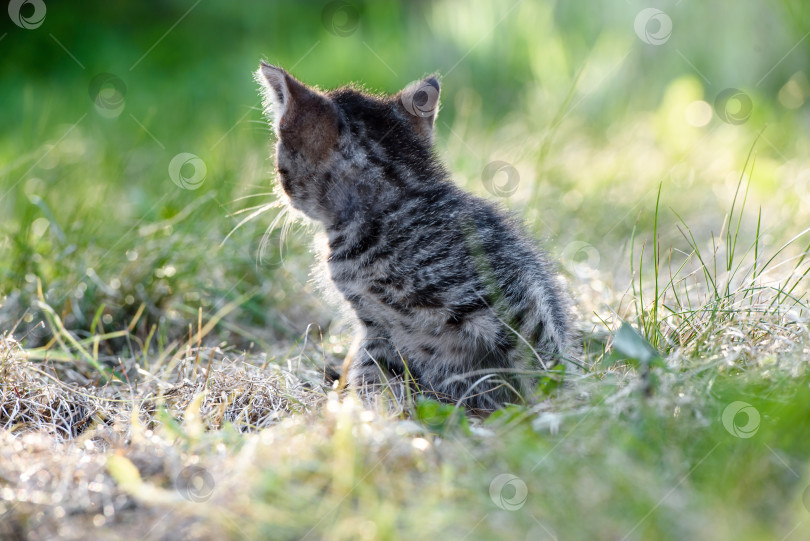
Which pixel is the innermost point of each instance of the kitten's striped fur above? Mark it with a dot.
(440, 280)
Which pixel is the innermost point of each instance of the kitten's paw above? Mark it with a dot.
(370, 382)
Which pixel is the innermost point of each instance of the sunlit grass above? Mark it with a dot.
(164, 351)
(640, 441)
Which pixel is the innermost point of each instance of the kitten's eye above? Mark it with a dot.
(283, 171)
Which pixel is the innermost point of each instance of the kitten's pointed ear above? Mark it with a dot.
(276, 92)
(420, 102)
(284, 96)
(301, 116)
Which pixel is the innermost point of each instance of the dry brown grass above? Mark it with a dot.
(58, 431)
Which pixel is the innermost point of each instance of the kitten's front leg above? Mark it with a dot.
(373, 363)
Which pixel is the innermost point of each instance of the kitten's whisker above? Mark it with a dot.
(267, 232)
(251, 195)
(261, 210)
(248, 209)
(285, 231)
(263, 244)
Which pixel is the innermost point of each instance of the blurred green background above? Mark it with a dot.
(593, 103)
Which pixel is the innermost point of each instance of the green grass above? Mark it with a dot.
(147, 330)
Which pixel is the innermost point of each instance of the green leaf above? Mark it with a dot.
(629, 343)
(441, 418)
(506, 415)
(552, 381)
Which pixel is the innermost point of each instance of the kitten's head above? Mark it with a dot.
(336, 150)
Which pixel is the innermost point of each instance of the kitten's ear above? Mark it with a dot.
(276, 91)
(284, 95)
(303, 117)
(420, 101)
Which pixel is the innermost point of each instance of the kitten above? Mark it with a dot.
(448, 291)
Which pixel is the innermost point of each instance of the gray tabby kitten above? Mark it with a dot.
(448, 291)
